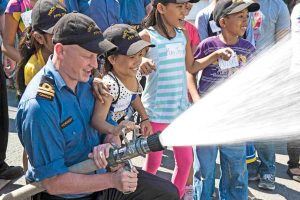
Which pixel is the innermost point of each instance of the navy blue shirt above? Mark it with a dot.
(53, 124)
(133, 12)
(104, 12)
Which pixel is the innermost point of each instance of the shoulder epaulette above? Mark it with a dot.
(46, 88)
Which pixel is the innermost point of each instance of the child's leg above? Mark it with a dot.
(183, 162)
(234, 178)
(204, 171)
(153, 159)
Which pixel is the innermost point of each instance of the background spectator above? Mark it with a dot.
(104, 12)
(270, 24)
(293, 147)
(17, 18)
(133, 12)
(6, 171)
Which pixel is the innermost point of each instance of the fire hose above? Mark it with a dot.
(136, 147)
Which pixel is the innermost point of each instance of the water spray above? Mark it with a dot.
(260, 102)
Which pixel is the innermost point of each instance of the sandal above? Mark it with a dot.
(295, 177)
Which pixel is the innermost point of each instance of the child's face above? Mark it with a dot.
(127, 65)
(173, 14)
(45, 40)
(188, 8)
(236, 24)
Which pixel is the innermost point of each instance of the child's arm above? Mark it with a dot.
(195, 65)
(147, 65)
(100, 115)
(145, 123)
(192, 87)
(99, 118)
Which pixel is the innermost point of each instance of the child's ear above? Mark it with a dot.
(112, 59)
(38, 37)
(160, 8)
(222, 22)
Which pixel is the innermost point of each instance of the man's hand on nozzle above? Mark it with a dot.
(125, 181)
(100, 89)
(100, 154)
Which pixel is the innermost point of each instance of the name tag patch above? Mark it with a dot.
(176, 50)
(231, 63)
(67, 122)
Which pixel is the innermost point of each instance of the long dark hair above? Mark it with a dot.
(155, 18)
(107, 65)
(27, 47)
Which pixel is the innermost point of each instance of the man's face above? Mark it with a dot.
(77, 63)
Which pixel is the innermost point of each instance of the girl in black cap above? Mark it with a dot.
(122, 75)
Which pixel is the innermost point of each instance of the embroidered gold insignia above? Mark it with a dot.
(46, 88)
(67, 122)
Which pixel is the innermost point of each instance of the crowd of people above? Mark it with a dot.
(79, 67)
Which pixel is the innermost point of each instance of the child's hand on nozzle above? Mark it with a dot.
(225, 53)
(128, 125)
(146, 128)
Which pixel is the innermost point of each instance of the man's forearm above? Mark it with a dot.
(70, 183)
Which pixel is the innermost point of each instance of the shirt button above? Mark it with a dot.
(74, 133)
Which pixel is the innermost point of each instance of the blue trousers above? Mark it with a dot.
(234, 174)
(266, 154)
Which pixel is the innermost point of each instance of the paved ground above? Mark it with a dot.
(285, 188)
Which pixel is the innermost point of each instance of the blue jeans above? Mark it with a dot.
(266, 154)
(234, 174)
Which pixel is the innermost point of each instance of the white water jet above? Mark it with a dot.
(261, 101)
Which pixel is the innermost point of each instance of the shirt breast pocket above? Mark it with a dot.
(72, 130)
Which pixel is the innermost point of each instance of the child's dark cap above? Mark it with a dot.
(45, 14)
(228, 7)
(126, 39)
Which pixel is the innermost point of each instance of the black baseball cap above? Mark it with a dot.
(45, 14)
(126, 38)
(77, 28)
(174, 1)
(228, 7)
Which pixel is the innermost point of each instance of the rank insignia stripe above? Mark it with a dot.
(67, 122)
(46, 88)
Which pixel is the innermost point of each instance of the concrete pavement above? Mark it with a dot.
(285, 188)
